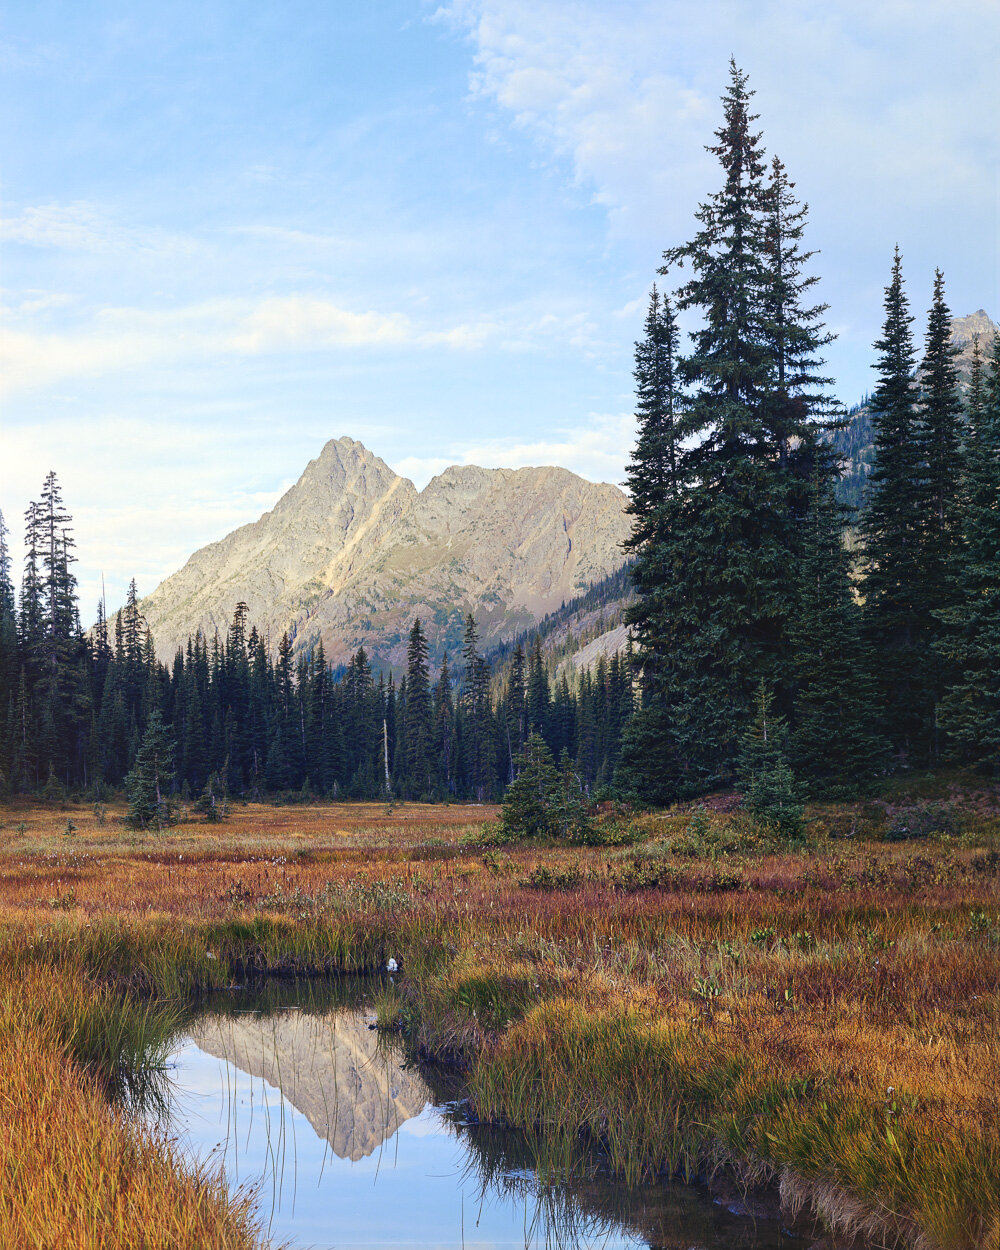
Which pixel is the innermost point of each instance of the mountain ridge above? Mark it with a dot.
(353, 551)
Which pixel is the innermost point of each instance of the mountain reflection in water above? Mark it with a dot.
(347, 1146)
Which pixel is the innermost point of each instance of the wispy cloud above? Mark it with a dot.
(84, 227)
(117, 339)
(597, 449)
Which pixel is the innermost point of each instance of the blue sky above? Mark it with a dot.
(231, 231)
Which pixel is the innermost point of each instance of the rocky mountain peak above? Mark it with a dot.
(352, 552)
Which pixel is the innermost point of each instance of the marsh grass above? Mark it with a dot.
(824, 1019)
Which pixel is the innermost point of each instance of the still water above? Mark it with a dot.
(345, 1145)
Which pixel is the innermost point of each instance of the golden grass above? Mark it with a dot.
(825, 1018)
(74, 1172)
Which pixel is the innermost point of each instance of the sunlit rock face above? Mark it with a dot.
(353, 552)
(331, 1068)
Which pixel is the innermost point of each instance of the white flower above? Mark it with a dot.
(211, 955)
(392, 966)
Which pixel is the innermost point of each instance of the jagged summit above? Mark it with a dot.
(353, 551)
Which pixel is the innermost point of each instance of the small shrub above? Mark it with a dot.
(923, 821)
(608, 833)
(542, 877)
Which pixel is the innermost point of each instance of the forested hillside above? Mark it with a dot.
(762, 654)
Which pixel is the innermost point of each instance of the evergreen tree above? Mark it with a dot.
(970, 711)
(419, 731)
(444, 731)
(537, 695)
(766, 779)
(478, 748)
(653, 466)
(148, 784)
(939, 413)
(834, 742)
(531, 803)
(719, 581)
(893, 521)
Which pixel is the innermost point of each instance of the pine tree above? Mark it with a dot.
(419, 731)
(531, 802)
(765, 776)
(537, 695)
(653, 466)
(939, 413)
(834, 742)
(892, 528)
(719, 581)
(478, 750)
(444, 731)
(148, 784)
(970, 711)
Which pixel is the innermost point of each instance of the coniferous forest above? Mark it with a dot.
(753, 620)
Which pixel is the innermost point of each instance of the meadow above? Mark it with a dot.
(820, 1021)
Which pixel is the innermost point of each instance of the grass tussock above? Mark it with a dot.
(823, 1017)
(76, 1172)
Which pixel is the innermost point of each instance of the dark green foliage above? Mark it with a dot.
(572, 815)
(212, 800)
(150, 782)
(834, 741)
(765, 776)
(533, 799)
(719, 545)
(941, 432)
(970, 711)
(892, 525)
(647, 770)
(417, 719)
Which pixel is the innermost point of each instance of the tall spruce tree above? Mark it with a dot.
(893, 524)
(939, 412)
(834, 742)
(970, 711)
(150, 782)
(720, 581)
(418, 718)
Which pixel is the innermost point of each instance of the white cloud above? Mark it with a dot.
(894, 104)
(117, 339)
(598, 449)
(85, 227)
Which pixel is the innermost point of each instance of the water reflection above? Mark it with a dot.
(348, 1146)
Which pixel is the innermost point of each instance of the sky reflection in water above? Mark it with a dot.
(347, 1147)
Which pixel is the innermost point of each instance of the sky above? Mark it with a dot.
(231, 231)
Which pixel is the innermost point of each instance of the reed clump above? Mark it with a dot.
(76, 1171)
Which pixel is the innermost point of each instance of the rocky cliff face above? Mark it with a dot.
(964, 331)
(352, 552)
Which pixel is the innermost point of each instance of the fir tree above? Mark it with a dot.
(475, 704)
(653, 466)
(418, 720)
(834, 742)
(765, 776)
(892, 529)
(939, 412)
(719, 582)
(444, 730)
(970, 711)
(148, 784)
(531, 802)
